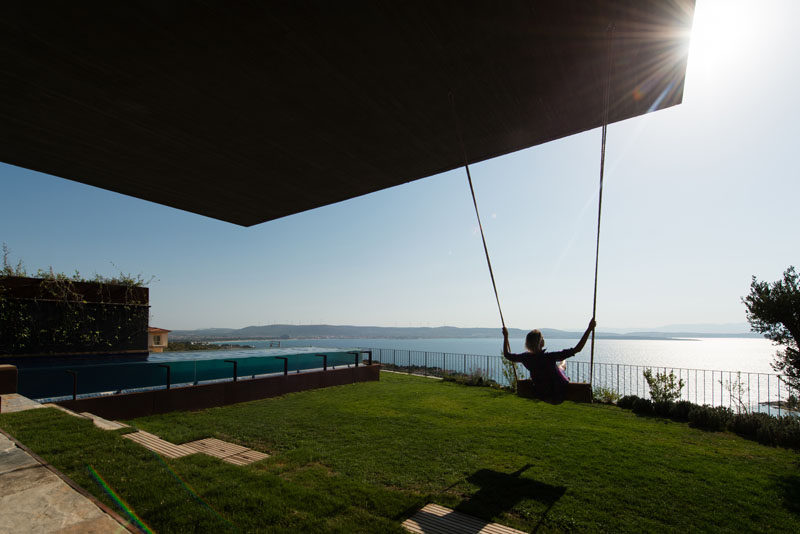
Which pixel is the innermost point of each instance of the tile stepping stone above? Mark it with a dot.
(158, 445)
(227, 452)
(441, 520)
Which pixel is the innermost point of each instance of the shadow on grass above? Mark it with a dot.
(498, 493)
(789, 487)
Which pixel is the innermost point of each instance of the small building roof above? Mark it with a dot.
(154, 330)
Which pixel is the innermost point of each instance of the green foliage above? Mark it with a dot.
(663, 387)
(604, 395)
(680, 410)
(774, 310)
(510, 373)
(783, 431)
(663, 408)
(642, 406)
(793, 403)
(8, 268)
(713, 418)
(59, 319)
(737, 392)
(476, 377)
(767, 429)
(627, 401)
(747, 424)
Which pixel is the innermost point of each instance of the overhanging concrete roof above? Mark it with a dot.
(250, 111)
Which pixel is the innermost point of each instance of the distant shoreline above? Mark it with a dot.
(279, 332)
(600, 336)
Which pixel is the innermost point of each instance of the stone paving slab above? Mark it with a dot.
(36, 500)
(14, 459)
(33, 499)
(14, 402)
(104, 424)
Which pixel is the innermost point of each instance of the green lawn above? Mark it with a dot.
(361, 458)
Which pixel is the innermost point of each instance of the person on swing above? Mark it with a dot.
(548, 382)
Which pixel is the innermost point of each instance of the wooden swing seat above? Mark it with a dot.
(576, 391)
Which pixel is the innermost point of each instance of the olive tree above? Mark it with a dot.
(774, 310)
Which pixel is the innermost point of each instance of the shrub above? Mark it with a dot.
(510, 373)
(710, 417)
(663, 408)
(605, 395)
(783, 431)
(680, 410)
(474, 378)
(627, 401)
(793, 403)
(663, 387)
(748, 424)
(643, 406)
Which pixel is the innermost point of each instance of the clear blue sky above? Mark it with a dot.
(698, 198)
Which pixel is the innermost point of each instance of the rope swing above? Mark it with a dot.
(475, 203)
(606, 105)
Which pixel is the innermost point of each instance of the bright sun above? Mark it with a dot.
(723, 34)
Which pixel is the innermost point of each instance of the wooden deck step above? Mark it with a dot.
(215, 447)
(244, 458)
(435, 519)
(227, 452)
(158, 445)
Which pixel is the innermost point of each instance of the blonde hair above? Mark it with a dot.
(534, 340)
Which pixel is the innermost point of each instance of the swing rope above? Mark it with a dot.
(480, 225)
(475, 203)
(606, 105)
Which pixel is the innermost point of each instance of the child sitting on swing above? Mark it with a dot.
(548, 383)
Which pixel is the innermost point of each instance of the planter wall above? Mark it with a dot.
(46, 318)
(203, 396)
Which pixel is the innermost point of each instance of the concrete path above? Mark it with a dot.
(14, 402)
(34, 499)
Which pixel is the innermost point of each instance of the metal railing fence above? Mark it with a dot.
(740, 391)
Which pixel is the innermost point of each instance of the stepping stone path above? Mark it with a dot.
(33, 498)
(440, 520)
(158, 445)
(227, 452)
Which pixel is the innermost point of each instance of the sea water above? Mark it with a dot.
(727, 354)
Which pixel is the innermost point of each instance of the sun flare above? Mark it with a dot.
(723, 33)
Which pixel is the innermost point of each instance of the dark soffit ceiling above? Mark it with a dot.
(251, 111)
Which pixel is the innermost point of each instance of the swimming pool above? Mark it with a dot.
(174, 369)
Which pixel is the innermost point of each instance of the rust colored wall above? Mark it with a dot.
(8, 379)
(133, 405)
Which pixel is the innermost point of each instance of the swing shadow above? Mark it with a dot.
(499, 493)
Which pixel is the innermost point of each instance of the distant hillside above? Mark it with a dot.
(321, 331)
